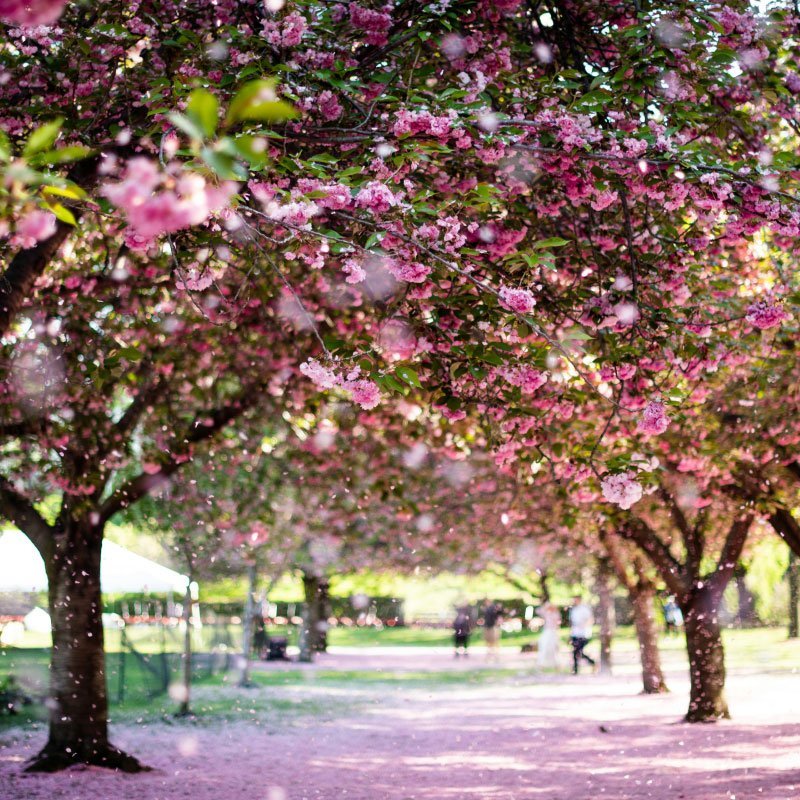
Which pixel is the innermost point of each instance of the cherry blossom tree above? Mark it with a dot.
(564, 221)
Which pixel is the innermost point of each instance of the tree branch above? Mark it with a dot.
(19, 510)
(731, 551)
(691, 534)
(787, 527)
(27, 265)
(609, 542)
(670, 570)
(204, 426)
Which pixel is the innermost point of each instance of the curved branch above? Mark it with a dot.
(204, 426)
(19, 510)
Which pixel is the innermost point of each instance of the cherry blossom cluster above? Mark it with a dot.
(154, 203)
(29, 13)
(622, 489)
(362, 391)
(654, 419)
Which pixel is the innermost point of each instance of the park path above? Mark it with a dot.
(518, 737)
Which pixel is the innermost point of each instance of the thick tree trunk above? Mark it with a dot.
(313, 637)
(643, 598)
(605, 614)
(706, 656)
(247, 625)
(78, 701)
(794, 596)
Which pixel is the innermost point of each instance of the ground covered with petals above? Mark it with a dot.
(412, 723)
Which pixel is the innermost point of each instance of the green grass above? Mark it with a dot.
(300, 692)
(414, 637)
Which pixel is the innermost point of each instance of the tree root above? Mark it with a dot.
(55, 759)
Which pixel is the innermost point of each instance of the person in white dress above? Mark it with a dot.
(547, 656)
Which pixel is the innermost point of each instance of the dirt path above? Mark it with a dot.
(516, 738)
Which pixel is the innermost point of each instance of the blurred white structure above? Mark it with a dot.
(121, 571)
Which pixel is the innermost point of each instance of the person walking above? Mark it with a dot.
(547, 654)
(491, 629)
(462, 626)
(581, 621)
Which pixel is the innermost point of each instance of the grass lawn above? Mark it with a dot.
(762, 650)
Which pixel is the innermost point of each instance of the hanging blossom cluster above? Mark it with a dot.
(35, 226)
(362, 391)
(765, 314)
(521, 301)
(654, 419)
(30, 13)
(181, 202)
(622, 489)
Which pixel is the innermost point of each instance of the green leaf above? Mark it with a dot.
(257, 100)
(43, 137)
(546, 244)
(188, 126)
(224, 165)
(64, 155)
(252, 149)
(131, 353)
(71, 191)
(62, 213)
(203, 109)
(5, 147)
(409, 376)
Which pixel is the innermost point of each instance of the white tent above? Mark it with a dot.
(22, 569)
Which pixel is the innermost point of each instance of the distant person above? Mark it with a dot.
(673, 616)
(547, 655)
(260, 638)
(462, 627)
(581, 621)
(491, 629)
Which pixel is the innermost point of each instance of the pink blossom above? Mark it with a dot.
(30, 13)
(293, 28)
(354, 271)
(621, 489)
(521, 301)
(329, 105)
(364, 392)
(604, 200)
(765, 314)
(793, 82)
(375, 23)
(35, 226)
(321, 377)
(377, 197)
(654, 419)
(527, 378)
(286, 33)
(409, 271)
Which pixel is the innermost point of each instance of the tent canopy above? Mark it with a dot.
(121, 571)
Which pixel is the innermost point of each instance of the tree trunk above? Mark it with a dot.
(794, 596)
(78, 702)
(247, 625)
(186, 688)
(605, 614)
(313, 637)
(643, 598)
(706, 656)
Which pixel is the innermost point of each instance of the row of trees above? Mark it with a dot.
(543, 249)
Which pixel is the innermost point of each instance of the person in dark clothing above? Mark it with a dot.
(491, 629)
(581, 621)
(462, 626)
